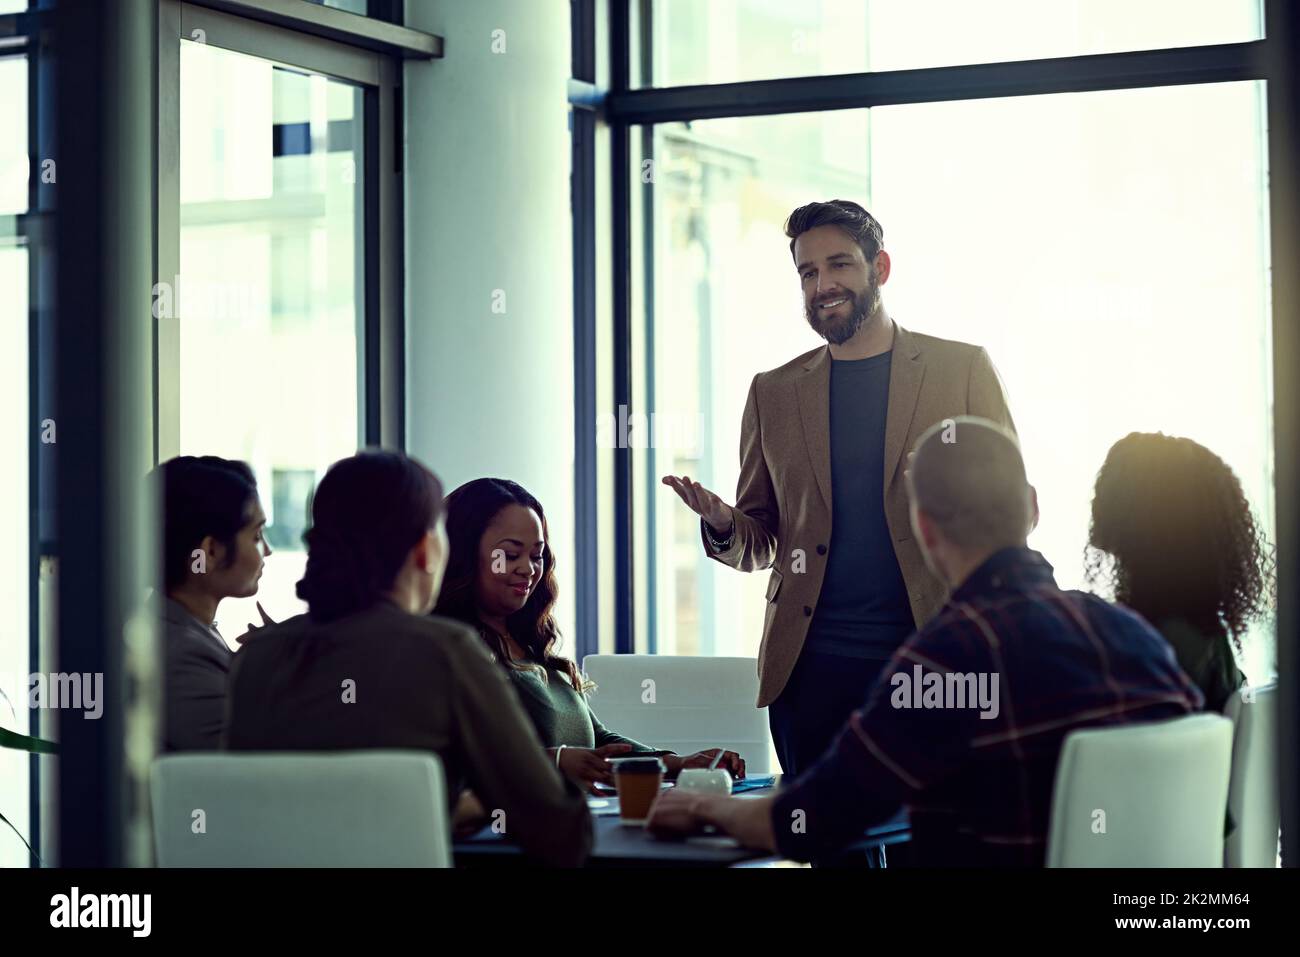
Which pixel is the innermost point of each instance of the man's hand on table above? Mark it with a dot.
(682, 813)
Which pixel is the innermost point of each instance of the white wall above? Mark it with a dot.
(487, 209)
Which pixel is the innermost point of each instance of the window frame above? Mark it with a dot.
(625, 107)
(381, 327)
(113, 94)
(31, 228)
(1271, 60)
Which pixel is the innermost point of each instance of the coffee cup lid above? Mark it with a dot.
(637, 765)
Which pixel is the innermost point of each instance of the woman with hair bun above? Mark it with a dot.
(368, 667)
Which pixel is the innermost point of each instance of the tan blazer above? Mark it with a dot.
(783, 497)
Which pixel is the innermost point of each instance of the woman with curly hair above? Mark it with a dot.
(501, 581)
(1173, 535)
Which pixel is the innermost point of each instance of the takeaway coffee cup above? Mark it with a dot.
(637, 781)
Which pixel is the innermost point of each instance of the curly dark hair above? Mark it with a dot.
(469, 511)
(1173, 535)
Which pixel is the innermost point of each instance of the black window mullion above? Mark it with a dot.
(1107, 71)
(621, 194)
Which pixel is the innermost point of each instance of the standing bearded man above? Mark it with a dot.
(821, 498)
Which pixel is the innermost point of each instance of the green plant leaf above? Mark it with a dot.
(21, 742)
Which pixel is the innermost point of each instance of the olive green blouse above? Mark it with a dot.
(560, 713)
(1209, 662)
(1207, 659)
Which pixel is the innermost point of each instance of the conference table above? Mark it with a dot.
(620, 845)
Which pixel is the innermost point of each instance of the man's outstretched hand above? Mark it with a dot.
(702, 502)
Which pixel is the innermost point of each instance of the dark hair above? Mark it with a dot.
(201, 496)
(368, 512)
(1173, 535)
(844, 213)
(470, 509)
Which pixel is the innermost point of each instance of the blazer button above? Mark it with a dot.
(821, 549)
(807, 612)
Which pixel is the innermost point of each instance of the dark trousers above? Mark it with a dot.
(815, 705)
(809, 715)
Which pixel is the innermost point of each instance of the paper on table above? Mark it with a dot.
(605, 791)
(713, 840)
(743, 786)
(752, 784)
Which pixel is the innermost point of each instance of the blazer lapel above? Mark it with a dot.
(814, 386)
(906, 369)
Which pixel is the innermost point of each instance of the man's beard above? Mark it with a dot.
(838, 331)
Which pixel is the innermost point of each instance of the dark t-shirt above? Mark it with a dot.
(863, 610)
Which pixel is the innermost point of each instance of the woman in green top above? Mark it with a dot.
(501, 580)
(1173, 535)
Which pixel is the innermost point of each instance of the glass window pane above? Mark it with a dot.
(1110, 250)
(269, 297)
(15, 625)
(15, 540)
(351, 6)
(13, 135)
(15, 436)
(727, 306)
(725, 41)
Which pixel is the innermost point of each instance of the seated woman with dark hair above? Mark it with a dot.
(501, 581)
(368, 667)
(1173, 535)
(212, 549)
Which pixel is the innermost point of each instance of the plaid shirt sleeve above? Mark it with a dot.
(889, 751)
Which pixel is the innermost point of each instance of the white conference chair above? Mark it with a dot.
(1142, 795)
(319, 809)
(1253, 793)
(683, 703)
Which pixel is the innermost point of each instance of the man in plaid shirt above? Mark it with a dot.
(966, 722)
